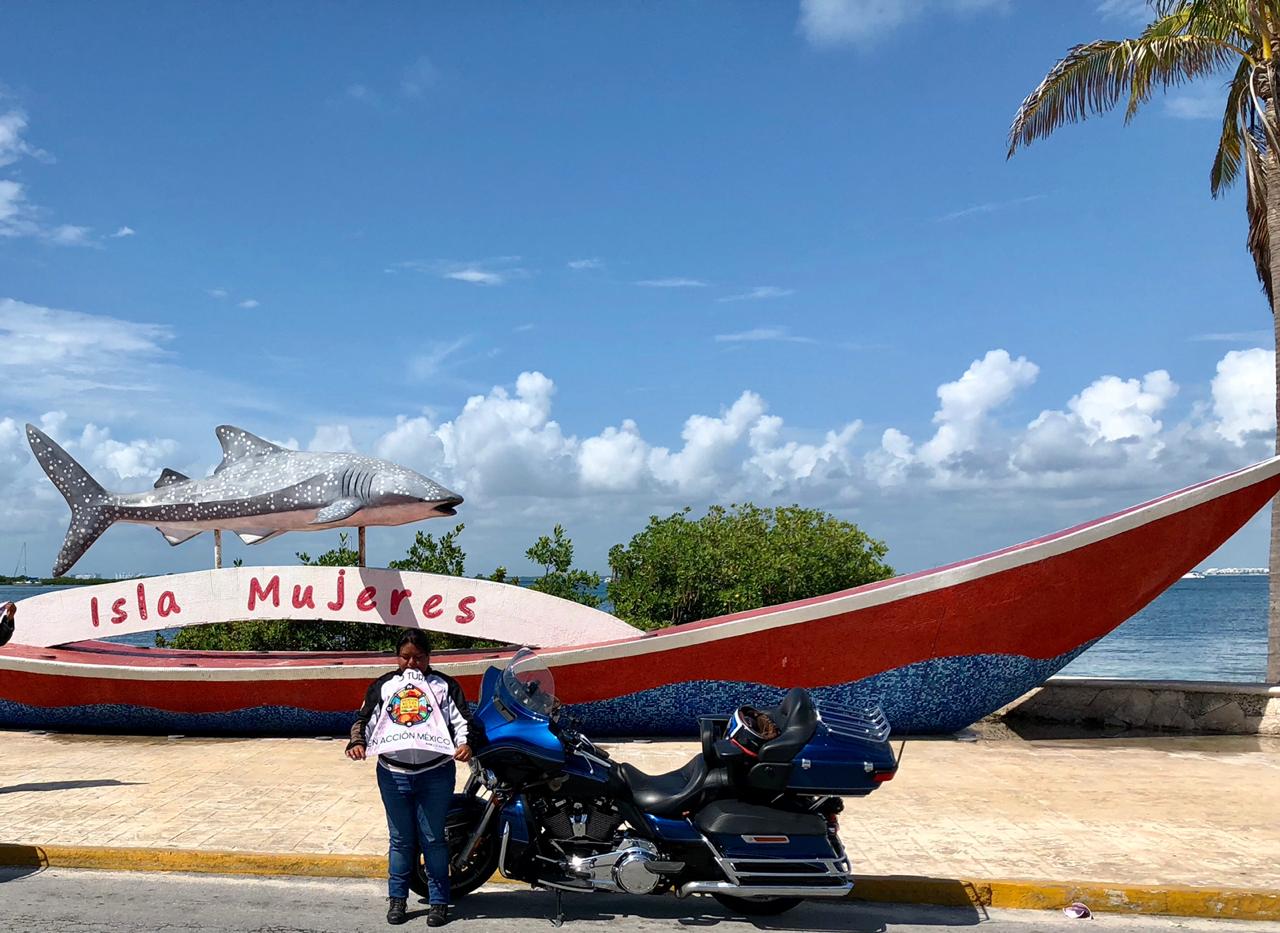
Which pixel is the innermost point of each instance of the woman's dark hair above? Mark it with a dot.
(416, 637)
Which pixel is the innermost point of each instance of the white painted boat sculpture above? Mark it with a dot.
(937, 649)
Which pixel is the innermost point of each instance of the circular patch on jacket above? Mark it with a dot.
(409, 707)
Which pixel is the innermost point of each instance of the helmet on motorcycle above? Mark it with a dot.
(749, 729)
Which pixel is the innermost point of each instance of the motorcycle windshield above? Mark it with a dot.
(529, 683)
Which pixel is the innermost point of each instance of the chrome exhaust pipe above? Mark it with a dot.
(763, 890)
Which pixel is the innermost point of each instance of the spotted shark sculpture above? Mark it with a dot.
(258, 491)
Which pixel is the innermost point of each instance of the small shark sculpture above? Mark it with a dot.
(259, 490)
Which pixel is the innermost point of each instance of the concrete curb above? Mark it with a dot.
(1176, 900)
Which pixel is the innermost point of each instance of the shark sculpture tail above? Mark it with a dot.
(90, 503)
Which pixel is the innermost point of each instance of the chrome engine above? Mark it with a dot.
(623, 869)
(579, 820)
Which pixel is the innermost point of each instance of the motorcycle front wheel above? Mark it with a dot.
(481, 866)
(757, 906)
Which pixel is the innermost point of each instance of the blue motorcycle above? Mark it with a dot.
(751, 820)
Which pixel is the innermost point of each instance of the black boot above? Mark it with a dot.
(396, 910)
(437, 915)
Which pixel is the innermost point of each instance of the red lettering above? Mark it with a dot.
(303, 597)
(142, 602)
(256, 592)
(342, 579)
(431, 608)
(118, 614)
(168, 605)
(367, 599)
(397, 597)
(93, 610)
(465, 615)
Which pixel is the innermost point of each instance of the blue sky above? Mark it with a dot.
(587, 263)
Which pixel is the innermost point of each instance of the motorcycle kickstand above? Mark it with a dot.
(558, 919)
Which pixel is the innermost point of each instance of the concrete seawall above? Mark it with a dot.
(1183, 706)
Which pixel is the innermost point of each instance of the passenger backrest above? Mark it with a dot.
(798, 720)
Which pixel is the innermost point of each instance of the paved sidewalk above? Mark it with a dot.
(1160, 811)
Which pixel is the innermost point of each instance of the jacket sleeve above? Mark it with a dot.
(475, 728)
(372, 700)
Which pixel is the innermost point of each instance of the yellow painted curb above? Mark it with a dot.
(1176, 900)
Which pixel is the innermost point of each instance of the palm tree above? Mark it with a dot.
(1188, 40)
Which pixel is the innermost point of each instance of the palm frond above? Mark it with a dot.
(1226, 162)
(1165, 62)
(1090, 78)
(1259, 241)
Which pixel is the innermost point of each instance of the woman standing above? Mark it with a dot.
(416, 722)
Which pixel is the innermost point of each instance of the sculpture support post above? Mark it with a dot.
(217, 549)
(360, 538)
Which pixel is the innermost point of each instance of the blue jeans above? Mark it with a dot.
(417, 805)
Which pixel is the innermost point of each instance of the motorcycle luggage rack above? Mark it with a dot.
(868, 723)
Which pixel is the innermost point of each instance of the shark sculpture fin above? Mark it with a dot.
(90, 512)
(169, 477)
(337, 511)
(176, 536)
(257, 537)
(237, 444)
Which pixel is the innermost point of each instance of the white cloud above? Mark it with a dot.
(363, 94)
(1133, 10)
(13, 147)
(759, 293)
(967, 403)
(430, 362)
(18, 216)
(990, 207)
(332, 438)
(497, 270)
(136, 459)
(763, 334)
(1244, 391)
(249, 303)
(68, 235)
(418, 78)
(476, 276)
(217, 293)
(580, 264)
(857, 22)
(413, 442)
(39, 337)
(1115, 410)
(673, 283)
(123, 232)
(1198, 102)
(1239, 336)
(615, 459)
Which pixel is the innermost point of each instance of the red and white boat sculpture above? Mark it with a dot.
(937, 649)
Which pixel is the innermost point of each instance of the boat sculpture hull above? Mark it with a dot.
(938, 649)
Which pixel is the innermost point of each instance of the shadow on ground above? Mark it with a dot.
(19, 861)
(63, 785)
(844, 916)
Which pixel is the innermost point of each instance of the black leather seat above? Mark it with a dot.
(797, 721)
(667, 794)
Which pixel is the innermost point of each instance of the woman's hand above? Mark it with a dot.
(463, 753)
(356, 753)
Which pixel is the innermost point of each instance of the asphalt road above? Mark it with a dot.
(68, 901)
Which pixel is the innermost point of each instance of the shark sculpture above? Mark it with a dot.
(259, 490)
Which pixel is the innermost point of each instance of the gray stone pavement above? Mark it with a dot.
(66, 901)
(1191, 811)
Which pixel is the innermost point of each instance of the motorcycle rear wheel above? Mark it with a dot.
(758, 906)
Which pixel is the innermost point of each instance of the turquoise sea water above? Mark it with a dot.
(1209, 629)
